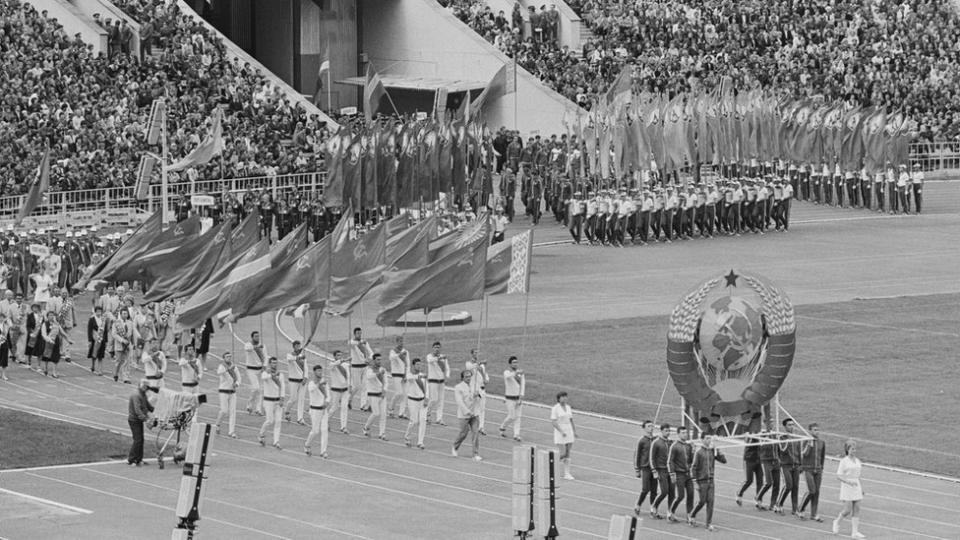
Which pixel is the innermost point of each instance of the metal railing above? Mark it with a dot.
(78, 205)
(936, 156)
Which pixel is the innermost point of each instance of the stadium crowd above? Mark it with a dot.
(91, 109)
(878, 51)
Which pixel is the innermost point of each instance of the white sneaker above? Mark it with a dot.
(836, 527)
(477, 458)
(453, 452)
(568, 476)
(857, 535)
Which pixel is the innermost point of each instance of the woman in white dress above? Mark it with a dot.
(848, 472)
(564, 432)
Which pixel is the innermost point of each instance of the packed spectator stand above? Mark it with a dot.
(876, 51)
(91, 110)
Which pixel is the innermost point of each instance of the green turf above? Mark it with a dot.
(28, 440)
(882, 371)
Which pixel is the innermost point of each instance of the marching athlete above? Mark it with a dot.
(703, 472)
(360, 353)
(256, 358)
(190, 370)
(296, 382)
(479, 381)
(416, 390)
(438, 369)
(319, 417)
(339, 389)
(374, 381)
(399, 367)
(514, 385)
(274, 390)
(229, 382)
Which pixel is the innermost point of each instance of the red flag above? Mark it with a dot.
(370, 172)
(303, 280)
(373, 92)
(138, 241)
(188, 268)
(38, 186)
(211, 299)
(456, 277)
(353, 172)
(411, 248)
(335, 150)
(407, 165)
(356, 268)
(387, 168)
(162, 244)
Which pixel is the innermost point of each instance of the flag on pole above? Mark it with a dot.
(139, 240)
(456, 277)
(302, 280)
(127, 268)
(208, 148)
(306, 319)
(621, 85)
(373, 92)
(508, 265)
(497, 87)
(409, 249)
(38, 186)
(356, 267)
(323, 71)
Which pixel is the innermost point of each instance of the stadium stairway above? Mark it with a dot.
(235, 51)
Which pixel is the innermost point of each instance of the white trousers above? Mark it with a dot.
(377, 410)
(274, 417)
(514, 414)
(338, 402)
(356, 385)
(397, 396)
(418, 417)
(256, 384)
(319, 425)
(483, 408)
(297, 395)
(435, 394)
(228, 408)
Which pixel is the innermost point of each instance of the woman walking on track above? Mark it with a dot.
(53, 338)
(564, 432)
(851, 494)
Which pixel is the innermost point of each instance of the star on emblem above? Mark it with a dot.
(731, 279)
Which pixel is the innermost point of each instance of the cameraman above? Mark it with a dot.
(139, 410)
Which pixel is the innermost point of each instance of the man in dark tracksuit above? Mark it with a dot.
(678, 464)
(770, 462)
(752, 471)
(659, 457)
(702, 471)
(790, 465)
(641, 461)
(812, 454)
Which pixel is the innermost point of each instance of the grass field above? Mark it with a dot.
(27, 440)
(876, 370)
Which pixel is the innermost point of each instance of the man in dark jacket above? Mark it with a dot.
(790, 466)
(770, 462)
(641, 461)
(138, 412)
(678, 463)
(702, 471)
(812, 454)
(659, 455)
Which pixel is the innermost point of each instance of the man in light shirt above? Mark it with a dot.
(399, 360)
(274, 389)
(467, 412)
(438, 369)
(415, 384)
(374, 382)
(228, 381)
(514, 385)
(190, 371)
(154, 365)
(360, 353)
(296, 382)
(319, 418)
(499, 225)
(339, 379)
(479, 380)
(255, 356)
(917, 180)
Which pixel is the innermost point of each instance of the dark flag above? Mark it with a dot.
(357, 266)
(353, 172)
(38, 186)
(138, 241)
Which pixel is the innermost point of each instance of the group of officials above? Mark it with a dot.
(669, 470)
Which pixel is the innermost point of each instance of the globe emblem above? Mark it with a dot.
(730, 333)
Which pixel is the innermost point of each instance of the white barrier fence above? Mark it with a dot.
(117, 207)
(936, 156)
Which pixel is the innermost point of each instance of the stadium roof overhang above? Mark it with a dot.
(426, 84)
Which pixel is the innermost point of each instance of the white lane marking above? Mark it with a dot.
(46, 501)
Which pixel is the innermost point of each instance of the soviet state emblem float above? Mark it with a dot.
(729, 348)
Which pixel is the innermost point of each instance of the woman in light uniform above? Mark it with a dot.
(564, 432)
(229, 381)
(319, 418)
(851, 494)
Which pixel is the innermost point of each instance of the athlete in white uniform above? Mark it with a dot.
(255, 356)
(479, 383)
(438, 369)
(399, 360)
(339, 377)
(416, 389)
(190, 370)
(318, 393)
(154, 365)
(229, 382)
(274, 389)
(514, 384)
(360, 354)
(296, 382)
(374, 382)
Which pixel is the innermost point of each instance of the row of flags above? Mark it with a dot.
(229, 273)
(629, 131)
(397, 165)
